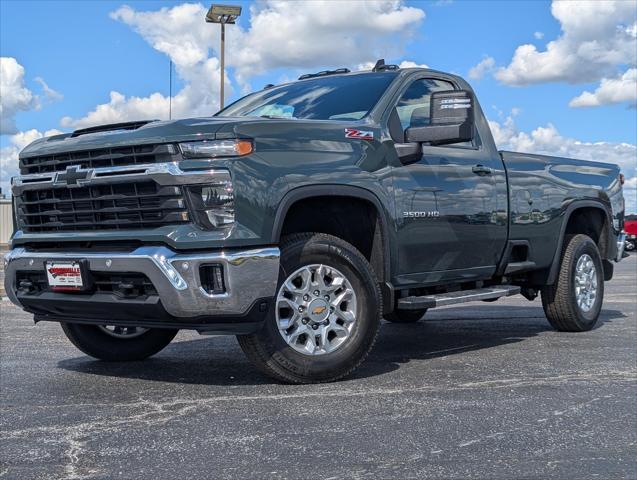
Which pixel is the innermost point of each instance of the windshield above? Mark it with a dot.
(337, 97)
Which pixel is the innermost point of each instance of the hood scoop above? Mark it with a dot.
(111, 127)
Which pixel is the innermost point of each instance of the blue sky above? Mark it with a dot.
(83, 53)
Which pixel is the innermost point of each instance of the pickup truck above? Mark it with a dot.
(300, 216)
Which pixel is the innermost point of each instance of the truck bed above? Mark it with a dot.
(541, 190)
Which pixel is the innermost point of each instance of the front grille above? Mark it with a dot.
(101, 207)
(104, 157)
(88, 246)
(124, 285)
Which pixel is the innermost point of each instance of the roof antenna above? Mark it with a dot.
(379, 64)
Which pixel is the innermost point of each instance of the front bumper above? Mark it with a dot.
(250, 278)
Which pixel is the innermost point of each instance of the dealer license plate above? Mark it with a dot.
(64, 275)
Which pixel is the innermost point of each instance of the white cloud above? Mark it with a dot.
(410, 64)
(9, 154)
(14, 95)
(404, 64)
(548, 141)
(322, 33)
(199, 97)
(538, 35)
(181, 33)
(280, 34)
(610, 90)
(596, 38)
(49, 93)
(486, 65)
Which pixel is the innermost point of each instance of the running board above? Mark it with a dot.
(452, 298)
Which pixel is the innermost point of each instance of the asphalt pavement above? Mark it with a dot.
(485, 390)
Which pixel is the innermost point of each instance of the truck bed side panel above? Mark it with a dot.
(541, 190)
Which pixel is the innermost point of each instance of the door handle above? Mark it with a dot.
(481, 170)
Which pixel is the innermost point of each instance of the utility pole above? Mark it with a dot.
(223, 65)
(223, 14)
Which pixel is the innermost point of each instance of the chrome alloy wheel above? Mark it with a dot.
(316, 309)
(122, 332)
(585, 282)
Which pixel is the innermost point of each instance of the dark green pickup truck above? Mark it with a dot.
(298, 217)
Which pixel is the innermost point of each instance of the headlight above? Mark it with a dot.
(213, 203)
(216, 148)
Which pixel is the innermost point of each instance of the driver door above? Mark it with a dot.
(446, 207)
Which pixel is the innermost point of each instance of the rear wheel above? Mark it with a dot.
(405, 316)
(116, 344)
(327, 312)
(573, 303)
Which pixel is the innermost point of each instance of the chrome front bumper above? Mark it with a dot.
(249, 275)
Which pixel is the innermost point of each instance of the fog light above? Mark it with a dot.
(211, 277)
(213, 203)
(218, 204)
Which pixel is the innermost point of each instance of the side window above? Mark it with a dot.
(413, 106)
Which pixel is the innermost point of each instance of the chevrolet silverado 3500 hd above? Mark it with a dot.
(298, 217)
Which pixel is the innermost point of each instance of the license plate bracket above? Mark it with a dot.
(67, 275)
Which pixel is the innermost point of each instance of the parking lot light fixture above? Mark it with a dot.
(223, 14)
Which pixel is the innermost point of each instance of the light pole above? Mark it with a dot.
(223, 14)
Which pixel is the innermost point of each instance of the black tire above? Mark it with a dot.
(269, 351)
(559, 300)
(95, 342)
(405, 316)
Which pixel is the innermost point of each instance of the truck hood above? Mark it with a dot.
(150, 132)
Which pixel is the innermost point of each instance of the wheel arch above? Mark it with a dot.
(301, 194)
(604, 242)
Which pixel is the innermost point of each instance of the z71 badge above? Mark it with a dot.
(359, 134)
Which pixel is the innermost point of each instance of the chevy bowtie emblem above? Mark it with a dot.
(73, 176)
(318, 310)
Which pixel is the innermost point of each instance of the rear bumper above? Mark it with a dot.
(621, 245)
(250, 278)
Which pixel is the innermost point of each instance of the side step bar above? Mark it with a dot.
(452, 298)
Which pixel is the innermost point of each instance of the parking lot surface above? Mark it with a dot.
(485, 390)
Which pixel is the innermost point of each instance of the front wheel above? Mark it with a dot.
(573, 303)
(118, 344)
(326, 315)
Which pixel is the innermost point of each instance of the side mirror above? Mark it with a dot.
(450, 121)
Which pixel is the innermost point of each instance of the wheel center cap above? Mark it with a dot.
(318, 310)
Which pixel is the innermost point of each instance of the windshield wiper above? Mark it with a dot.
(278, 117)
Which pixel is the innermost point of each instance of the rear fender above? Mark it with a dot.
(608, 233)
